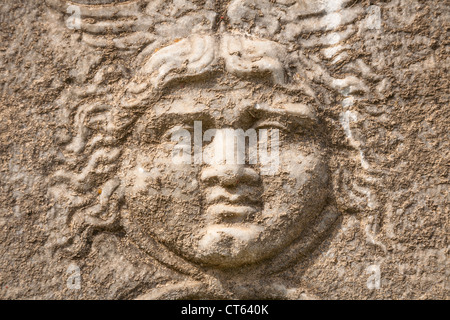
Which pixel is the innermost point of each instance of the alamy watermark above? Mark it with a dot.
(74, 21)
(374, 280)
(74, 279)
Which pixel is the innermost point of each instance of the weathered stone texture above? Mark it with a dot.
(93, 204)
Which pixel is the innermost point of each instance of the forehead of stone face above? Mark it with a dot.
(226, 92)
(218, 105)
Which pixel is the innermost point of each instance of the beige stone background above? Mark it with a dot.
(406, 240)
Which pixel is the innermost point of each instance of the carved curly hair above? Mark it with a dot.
(318, 61)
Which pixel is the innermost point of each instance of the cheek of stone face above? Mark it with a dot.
(297, 193)
(163, 197)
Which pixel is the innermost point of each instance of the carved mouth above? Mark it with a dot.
(240, 195)
(221, 213)
(225, 206)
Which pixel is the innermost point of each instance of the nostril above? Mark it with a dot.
(250, 175)
(229, 180)
(210, 180)
(210, 176)
(229, 176)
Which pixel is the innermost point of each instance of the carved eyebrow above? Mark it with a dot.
(300, 113)
(297, 111)
(188, 116)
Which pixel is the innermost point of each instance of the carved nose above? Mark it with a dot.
(229, 175)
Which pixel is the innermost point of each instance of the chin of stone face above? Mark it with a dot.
(263, 150)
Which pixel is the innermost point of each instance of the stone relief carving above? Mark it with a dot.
(236, 64)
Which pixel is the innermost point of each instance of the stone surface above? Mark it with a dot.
(99, 201)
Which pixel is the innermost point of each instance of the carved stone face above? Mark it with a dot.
(147, 71)
(224, 215)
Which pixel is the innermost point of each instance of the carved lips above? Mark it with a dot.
(233, 194)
